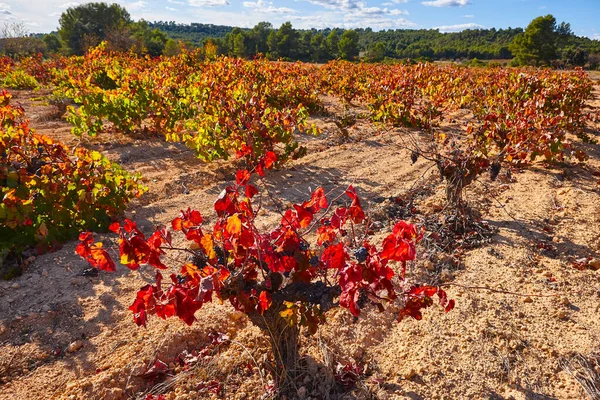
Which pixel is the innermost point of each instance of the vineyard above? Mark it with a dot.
(209, 227)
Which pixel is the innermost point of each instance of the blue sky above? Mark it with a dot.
(446, 15)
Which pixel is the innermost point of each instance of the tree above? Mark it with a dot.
(575, 57)
(260, 33)
(332, 41)
(348, 45)
(287, 41)
(14, 40)
(376, 53)
(172, 48)
(88, 24)
(538, 43)
(319, 49)
(239, 45)
(150, 41)
(53, 43)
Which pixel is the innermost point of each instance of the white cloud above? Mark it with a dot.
(137, 5)
(5, 9)
(264, 7)
(208, 3)
(357, 8)
(171, 9)
(339, 4)
(458, 27)
(69, 4)
(446, 3)
(376, 21)
(469, 16)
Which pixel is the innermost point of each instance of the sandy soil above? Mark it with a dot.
(64, 335)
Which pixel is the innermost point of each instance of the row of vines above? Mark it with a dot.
(320, 255)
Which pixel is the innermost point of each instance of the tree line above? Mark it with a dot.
(542, 42)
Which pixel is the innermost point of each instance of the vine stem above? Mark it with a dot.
(498, 290)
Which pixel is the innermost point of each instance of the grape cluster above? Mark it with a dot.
(361, 254)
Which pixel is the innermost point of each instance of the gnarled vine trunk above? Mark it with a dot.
(285, 338)
(285, 344)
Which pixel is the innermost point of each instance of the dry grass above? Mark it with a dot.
(586, 371)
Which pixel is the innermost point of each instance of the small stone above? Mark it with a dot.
(594, 264)
(15, 286)
(528, 300)
(74, 346)
(556, 239)
(429, 265)
(236, 315)
(548, 274)
(565, 301)
(446, 276)
(302, 392)
(2, 329)
(408, 375)
(113, 394)
(562, 314)
(44, 272)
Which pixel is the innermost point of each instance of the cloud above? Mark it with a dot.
(137, 5)
(446, 3)
(350, 21)
(458, 27)
(262, 6)
(358, 8)
(208, 3)
(469, 16)
(171, 9)
(5, 9)
(69, 4)
(339, 4)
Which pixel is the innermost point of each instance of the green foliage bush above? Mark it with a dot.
(18, 79)
(48, 192)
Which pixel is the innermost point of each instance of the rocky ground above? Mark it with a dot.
(527, 328)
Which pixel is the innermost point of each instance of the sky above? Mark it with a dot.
(41, 16)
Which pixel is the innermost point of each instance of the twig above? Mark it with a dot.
(498, 290)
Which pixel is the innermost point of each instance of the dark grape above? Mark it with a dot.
(361, 254)
(414, 156)
(314, 261)
(495, 170)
